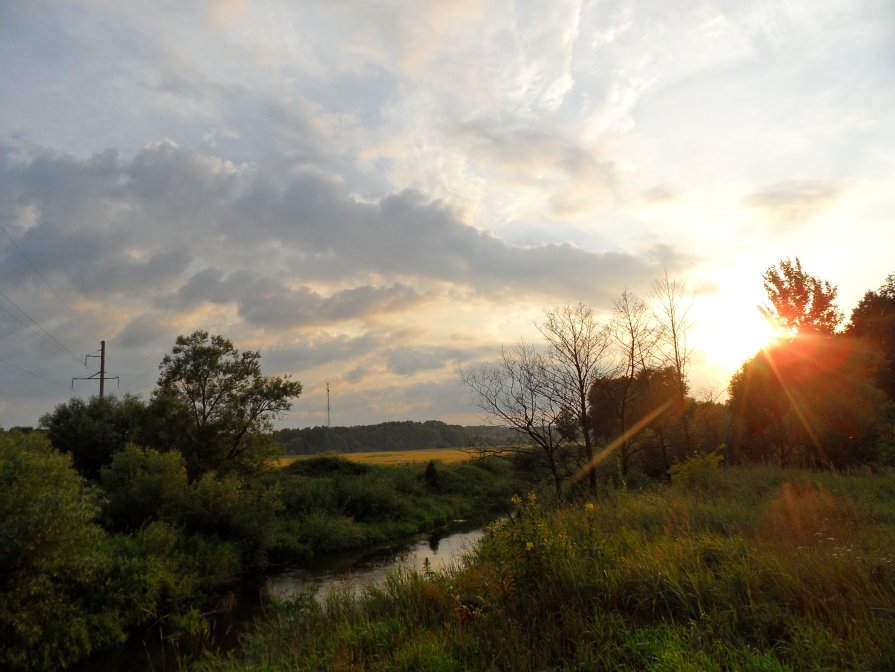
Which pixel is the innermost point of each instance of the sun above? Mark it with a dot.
(730, 332)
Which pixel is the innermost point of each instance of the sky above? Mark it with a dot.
(377, 194)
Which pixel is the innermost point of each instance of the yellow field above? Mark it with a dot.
(391, 456)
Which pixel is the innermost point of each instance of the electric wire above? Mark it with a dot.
(13, 315)
(32, 373)
(52, 338)
(47, 283)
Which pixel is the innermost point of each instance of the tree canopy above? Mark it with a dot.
(800, 303)
(229, 403)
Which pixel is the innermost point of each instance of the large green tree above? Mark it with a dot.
(92, 431)
(799, 302)
(229, 403)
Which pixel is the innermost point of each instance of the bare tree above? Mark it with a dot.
(636, 336)
(672, 315)
(578, 350)
(521, 393)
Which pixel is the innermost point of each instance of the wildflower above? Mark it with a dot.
(529, 545)
(516, 500)
(532, 498)
(589, 506)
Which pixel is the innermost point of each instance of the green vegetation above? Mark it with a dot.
(389, 436)
(332, 505)
(125, 515)
(746, 568)
(658, 547)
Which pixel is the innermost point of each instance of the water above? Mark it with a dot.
(355, 572)
(441, 550)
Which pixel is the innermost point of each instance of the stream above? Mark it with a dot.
(355, 572)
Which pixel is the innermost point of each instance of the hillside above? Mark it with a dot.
(398, 435)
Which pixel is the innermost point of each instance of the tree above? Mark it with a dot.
(636, 336)
(578, 345)
(673, 311)
(92, 431)
(520, 392)
(808, 402)
(873, 320)
(229, 402)
(143, 484)
(800, 303)
(53, 560)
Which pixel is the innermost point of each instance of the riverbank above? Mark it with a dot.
(747, 568)
(331, 514)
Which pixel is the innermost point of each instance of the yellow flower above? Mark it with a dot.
(516, 500)
(529, 545)
(589, 506)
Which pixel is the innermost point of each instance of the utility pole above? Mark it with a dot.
(327, 404)
(99, 375)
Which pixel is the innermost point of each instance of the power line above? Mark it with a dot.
(31, 373)
(13, 315)
(52, 338)
(47, 282)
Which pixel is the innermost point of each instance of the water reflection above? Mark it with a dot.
(441, 552)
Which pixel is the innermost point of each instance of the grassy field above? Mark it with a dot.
(392, 457)
(742, 569)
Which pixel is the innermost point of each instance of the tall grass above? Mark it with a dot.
(748, 569)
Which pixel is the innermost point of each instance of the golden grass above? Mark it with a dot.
(391, 457)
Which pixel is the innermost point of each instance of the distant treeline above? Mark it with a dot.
(404, 435)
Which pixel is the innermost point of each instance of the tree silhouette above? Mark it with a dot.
(800, 303)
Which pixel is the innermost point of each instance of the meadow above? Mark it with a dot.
(747, 568)
(391, 457)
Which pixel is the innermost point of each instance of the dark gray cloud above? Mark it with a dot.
(144, 220)
(267, 302)
(144, 330)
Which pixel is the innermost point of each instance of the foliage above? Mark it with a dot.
(431, 477)
(873, 321)
(92, 431)
(800, 303)
(229, 402)
(389, 436)
(142, 485)
(53, 559)
(808, 401)
(782, 570)
(698, 474)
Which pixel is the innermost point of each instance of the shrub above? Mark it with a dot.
(52, 559)
(142, 485)
(698, 474)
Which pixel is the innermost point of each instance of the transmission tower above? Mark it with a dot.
(101, 374)
(327, 404)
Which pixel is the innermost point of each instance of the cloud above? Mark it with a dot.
(795, 201)
(143, 222)
(409, 360)
(267, 302)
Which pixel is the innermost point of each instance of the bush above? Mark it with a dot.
(52, 560)
(227, 508)
(143, 485)
(699, 474)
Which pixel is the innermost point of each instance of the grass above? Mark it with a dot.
(392, 457)
(742, 569)
(331, 504)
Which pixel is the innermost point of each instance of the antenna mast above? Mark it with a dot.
(327, 404)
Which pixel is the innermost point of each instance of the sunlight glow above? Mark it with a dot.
(733, 335)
